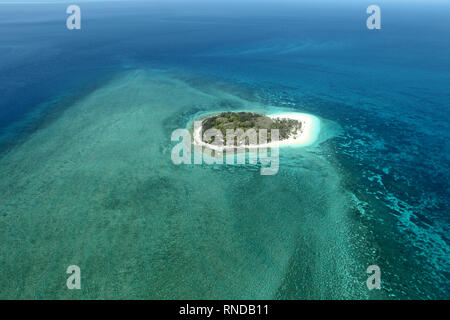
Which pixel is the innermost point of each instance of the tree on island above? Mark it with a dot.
(248, 120)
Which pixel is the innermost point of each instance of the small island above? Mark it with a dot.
(294, 129)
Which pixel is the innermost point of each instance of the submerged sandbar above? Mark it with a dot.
(296, 129)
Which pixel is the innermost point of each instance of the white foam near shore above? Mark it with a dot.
(307, 136)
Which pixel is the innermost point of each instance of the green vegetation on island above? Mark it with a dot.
(248, 120)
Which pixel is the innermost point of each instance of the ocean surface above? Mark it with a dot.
(86, 176)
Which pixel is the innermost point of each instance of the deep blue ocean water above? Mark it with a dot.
(388, 89)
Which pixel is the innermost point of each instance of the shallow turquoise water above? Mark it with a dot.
(87, 177)
(100, 188)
